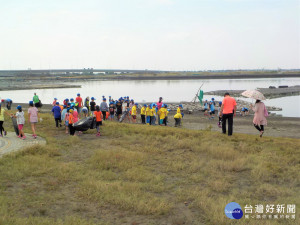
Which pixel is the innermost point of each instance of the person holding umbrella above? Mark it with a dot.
(259, 108)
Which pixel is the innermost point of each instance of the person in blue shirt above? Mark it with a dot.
(205, 108)
(244, 111)
(212, 109)
(213, 101)
(8, 103)
(56, 110)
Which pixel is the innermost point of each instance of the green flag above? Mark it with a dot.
(200, 96)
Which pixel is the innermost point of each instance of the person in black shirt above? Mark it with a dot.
(93, 105)
(111, 111)
(119, 109)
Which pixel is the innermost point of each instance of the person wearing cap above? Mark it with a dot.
(109, 99)
(20, 121)
(212, 109)
(85, 111)
(228, 111)
(63, 116)
(131, 103)
(143, 114)
(126, 109)
(54, 102)
(177, 118)
(8, 103)
(66, 101)
(111, 109)
(104, 108)
(92, 105)
(148, 114)
(213, 101)
(72, 102)
(119, 108)
(56, 110)
(79, 103)
(153, 114)
(71, 122)
(179, 108)
(98, 116)
(63, 113)
(205, 108)
(162, 112)
(33, 117)
(134, 112)
(244, 111)
(66, 120)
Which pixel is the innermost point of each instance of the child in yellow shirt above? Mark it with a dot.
(177, 118)
(143, 114)
(162, 115)
(179, 108)
(133, 112)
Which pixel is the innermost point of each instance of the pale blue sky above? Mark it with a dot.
(150, 34)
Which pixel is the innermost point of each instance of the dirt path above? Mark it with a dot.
(277, 126)
(12, 143)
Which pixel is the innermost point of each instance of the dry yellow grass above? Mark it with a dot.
(137, 174)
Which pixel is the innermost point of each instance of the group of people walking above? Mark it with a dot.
(33, 117)
(123, 109)
(71, 111)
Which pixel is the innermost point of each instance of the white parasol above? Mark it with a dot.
(253, 94)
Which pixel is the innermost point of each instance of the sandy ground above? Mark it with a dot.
(277, 126)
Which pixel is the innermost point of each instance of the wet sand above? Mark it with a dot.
(277, 126)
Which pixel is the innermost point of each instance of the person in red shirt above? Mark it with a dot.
(99, 116)
(79, 101)
(228, 110)
(54, 102)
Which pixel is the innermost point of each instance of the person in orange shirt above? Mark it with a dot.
(228, 110)
(79, 101)
(71, 122)
(99, 116)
